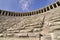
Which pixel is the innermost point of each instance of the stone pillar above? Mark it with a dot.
(10, 13)
(43, 10)
(39, 11)
(46, 8)
(30, 14)
(53, 6)
(49, 8)
(1, 12)
(46, 37)
(33, 12)
(5, 13)
(56, 5)
(20, 14)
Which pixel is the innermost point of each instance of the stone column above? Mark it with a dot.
(46, 37)
(5, 13)
(20, 14)
(46, 8)
(1, 12)
(56, 5)
(10, 13)
(30, 13)
(33, 12)
(49, 8)
(39, 11)
(53, 6)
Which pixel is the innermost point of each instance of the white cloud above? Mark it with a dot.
(51, 1)
(25, 4)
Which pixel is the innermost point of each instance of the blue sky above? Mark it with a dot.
(23, 5)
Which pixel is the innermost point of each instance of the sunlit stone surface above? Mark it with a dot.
(44, 25)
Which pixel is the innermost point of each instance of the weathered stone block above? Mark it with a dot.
(46, 37)
(55, 35)
(20, 34)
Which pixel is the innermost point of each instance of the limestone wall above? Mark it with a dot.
(36, 25)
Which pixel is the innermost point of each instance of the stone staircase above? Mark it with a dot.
(44, 26)
(24, 27)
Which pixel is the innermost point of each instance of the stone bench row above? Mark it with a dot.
(20, 35)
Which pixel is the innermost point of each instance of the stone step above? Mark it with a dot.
(13, 31)
(20, 34)
(52, 28)
(46, 38)
(25, 30)
(36, 30)
(33, 34)
(1, 34)
(9, 35)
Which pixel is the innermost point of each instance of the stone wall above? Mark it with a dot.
(41, 26)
